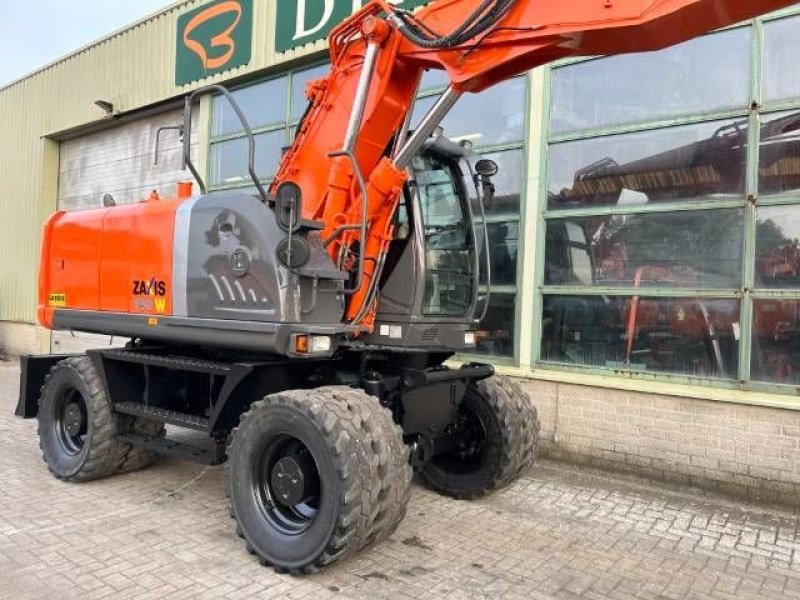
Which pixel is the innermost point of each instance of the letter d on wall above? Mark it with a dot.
(301, 29)
(302, 22)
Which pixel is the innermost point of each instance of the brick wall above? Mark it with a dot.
(745, 451)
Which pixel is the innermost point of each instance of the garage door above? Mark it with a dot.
(118, 161)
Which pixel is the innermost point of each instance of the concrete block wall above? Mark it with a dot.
(748, 452)
(23, 338)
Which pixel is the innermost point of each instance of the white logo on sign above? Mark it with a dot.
(300, 30)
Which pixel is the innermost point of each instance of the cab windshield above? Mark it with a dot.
(449, 259)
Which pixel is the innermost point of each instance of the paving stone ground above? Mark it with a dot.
(561, 532)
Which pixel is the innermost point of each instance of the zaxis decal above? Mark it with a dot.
(150, 296)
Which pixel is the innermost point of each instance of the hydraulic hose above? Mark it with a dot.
(488, 14)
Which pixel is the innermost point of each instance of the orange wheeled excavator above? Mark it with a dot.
(304, 329)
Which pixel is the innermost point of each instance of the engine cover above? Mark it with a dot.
(204, 262)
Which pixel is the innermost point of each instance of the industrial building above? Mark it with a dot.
(645, 238)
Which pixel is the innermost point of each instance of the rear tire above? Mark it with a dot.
(137, 457)
(499, 426)
(77, 428)
(316, 475)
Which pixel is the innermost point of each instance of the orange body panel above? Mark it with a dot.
(72, 263)
(115, 259)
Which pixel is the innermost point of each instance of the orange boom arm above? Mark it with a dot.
(378, 57)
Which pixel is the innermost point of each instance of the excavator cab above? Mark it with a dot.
(437, 267)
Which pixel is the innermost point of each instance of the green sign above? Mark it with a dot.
(213, 38)
(305, 21)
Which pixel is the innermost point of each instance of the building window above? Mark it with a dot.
(273, 109)
(647, 210)
(686, 162)
(672, 238)
(781, 81)
(641, 333)
(500, 135)
(707, 74)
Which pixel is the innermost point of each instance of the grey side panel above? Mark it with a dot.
(180, 257)
(222, 226)
(232, 271)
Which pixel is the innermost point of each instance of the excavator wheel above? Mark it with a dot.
(315, 475)
(136, 457)
(77, 428)
(499, 442)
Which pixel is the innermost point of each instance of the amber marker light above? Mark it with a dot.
(301, 344)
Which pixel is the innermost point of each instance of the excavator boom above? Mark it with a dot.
(340, 160)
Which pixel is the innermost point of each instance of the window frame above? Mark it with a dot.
(751, 202)
(287, 125)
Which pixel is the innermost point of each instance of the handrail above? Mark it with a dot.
(364, 207)
(481, 198)
(488, 264)
(187, 138)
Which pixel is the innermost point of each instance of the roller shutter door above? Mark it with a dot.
(117, 161)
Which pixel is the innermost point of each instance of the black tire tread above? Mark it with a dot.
(105, 454)
(529, 451)
(395, 472)
(359, 432)
(519, 443)
(136, 457)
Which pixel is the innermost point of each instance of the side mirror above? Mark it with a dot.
(289, 207)
(486, 168)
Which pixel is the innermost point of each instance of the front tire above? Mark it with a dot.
(316, 475)
(498, 426)
(77, 428)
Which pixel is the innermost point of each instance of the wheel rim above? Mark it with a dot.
(286, 485)
(71, 421)
(473, 446)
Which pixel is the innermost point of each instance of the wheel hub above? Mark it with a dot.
(73, 419)
(294, 480)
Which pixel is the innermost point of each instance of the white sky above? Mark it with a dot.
(37, 32)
